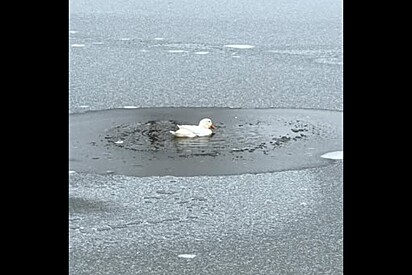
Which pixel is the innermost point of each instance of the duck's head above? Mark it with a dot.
(207, 123)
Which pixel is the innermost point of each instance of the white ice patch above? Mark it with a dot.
(84, 106)
(239, 46)
(119, 142)
(328, 60)
(322, 56)
(125, 39)
(159, 38)
(177, 51)
(201, 53)
(333, 155)
(186, 256)
(129, 107)
(73, 31)
(72, 172)
(297, 52)
(77, 45)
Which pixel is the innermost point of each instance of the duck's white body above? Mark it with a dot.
(190, 131)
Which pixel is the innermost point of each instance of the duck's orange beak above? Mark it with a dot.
(213, 126)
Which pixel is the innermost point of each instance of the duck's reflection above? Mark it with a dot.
(192, 142)
(199, 146)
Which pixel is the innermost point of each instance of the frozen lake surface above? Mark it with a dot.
(268, 54)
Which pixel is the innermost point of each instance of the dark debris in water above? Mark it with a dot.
(154, 136)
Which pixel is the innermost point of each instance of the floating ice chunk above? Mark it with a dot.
(84, 106)
(177, 51)
(333, 155)
(119, 142)
(201, 53)
(186, 256)
(78, 45)
(73, 31)
(130, 107)
(159, 38)
(239, 46)
(72, 172)
(125, 39)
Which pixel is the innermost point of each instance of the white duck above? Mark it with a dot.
(201, 130)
